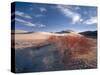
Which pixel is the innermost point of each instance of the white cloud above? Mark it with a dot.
(22, 14)
(41, 25)
(24, 22)
(29, 23)
(75, 19)
(81, 20)
(92, 20)
(42, 9)
(69, 13)
(77, 8)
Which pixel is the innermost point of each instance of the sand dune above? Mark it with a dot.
(41, 35)
(36, 38)
(31, 36)
(30, 39)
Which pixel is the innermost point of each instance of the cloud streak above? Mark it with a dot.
(22, 14)
(90, 21)
(24, 22)
(29, 24)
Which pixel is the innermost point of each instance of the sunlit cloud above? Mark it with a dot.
(69, 13)
(24, 22)
(90, 21)
(30, 24)
(22, 14)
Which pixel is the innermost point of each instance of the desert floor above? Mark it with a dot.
(40, 51)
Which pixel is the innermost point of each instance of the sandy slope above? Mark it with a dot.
(31, 36)
(40, 35)
(30, 39)
(36, 38)
(23, 40)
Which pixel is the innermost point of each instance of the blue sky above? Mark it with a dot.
(54, 17)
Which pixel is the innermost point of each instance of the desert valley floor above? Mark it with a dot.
(43, 51)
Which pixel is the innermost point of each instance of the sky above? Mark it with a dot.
(54, 17)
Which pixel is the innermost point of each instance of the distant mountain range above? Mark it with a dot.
(65, 31)
(92, 34)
